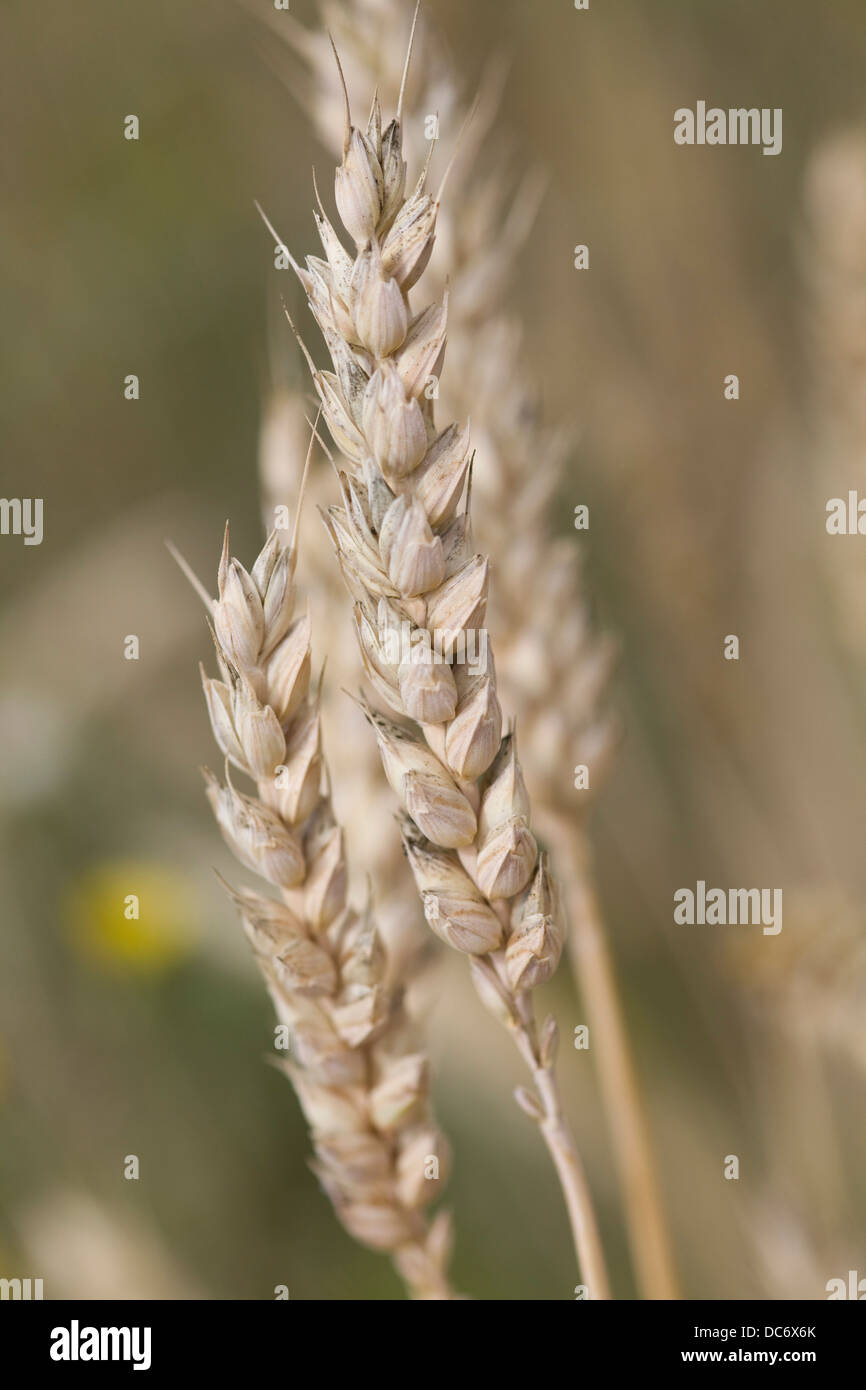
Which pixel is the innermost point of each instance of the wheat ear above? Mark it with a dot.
(553, 667)
(406, 554)
(359, 1072)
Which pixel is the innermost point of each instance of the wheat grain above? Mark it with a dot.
(357, 1067)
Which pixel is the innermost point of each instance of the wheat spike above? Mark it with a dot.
(405, 550)
(358, 1068)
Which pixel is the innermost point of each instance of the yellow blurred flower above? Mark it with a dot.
(136, 915)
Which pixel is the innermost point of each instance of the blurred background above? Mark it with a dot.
(707, 519)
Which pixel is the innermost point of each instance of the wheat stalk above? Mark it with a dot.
(552, 666)
(359, 1072)
(833, 259)
(406, 553)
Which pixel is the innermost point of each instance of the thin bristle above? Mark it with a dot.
(347, 132)
(190, 575)
(278, 241)
(406, 64)
(301, 492)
